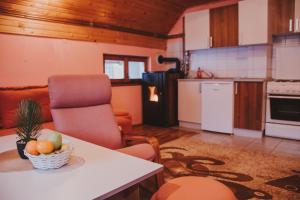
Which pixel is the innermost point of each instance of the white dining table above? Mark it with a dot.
(92, 172)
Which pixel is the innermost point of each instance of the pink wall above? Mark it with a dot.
(28, 60)
(128, 98)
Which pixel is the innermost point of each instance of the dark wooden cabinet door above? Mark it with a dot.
(281, 12)
(224, 26)
(248, 105)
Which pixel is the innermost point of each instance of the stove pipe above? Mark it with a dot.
(162, 59)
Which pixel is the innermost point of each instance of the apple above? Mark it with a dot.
(52, 136)
(56, 139)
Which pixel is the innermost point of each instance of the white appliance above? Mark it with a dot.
(283, 109)
(217, 106)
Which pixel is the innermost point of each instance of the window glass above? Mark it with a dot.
(124, 69)
(136, 69)
(114, 69)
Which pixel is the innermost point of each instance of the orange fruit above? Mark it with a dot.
(64, 147)
(45, 146)
(31, 147)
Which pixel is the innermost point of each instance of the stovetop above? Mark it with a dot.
(289, 81)
(283, 87)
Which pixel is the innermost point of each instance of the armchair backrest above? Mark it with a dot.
(80, 107)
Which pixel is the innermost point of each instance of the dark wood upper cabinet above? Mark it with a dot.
(224, 26)
(282, 14)
(248, 105)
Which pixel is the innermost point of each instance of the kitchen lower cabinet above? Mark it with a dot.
(189, 101)
(248, 105)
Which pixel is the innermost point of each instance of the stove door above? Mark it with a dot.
(284, 109)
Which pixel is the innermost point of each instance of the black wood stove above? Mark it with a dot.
(160, 100)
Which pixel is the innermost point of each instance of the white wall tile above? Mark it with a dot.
(286, 51)
(248, 61)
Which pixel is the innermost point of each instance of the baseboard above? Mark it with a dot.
(248, 133)
(190, 125)
(283, 131)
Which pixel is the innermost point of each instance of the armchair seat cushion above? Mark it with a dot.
(95, 124)
(144, 151)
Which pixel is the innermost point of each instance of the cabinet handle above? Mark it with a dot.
(296, 24)
(241, 38)
(290, 25)
(236, 88)
(210, 41)
(200, 88)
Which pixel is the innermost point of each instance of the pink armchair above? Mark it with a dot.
(80, 107)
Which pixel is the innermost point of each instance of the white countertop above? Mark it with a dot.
(225, 79)
(93, 172)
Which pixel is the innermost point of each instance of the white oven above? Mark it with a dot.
(283, 110)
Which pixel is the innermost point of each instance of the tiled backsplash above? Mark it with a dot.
(243, 62)
(257, 61)
(286, 54)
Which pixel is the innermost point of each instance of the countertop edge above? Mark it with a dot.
(227, 79)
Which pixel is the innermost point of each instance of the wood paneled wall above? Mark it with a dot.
(16, 25)
(132, 22)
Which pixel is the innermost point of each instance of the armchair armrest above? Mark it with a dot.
(134, 139)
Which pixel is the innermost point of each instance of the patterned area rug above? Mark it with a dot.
(250, 174)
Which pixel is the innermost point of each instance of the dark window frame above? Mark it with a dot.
(126, 59)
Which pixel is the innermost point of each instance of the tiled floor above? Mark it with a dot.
(266, 144)
(269, 145)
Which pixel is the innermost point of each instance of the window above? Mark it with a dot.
(124, 69)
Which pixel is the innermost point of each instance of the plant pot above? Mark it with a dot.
(21, 146)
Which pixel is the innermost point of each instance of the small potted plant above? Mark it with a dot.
(29, 118)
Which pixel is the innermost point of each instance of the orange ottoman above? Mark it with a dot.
(193, 188)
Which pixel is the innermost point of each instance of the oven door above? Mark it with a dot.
(283, 109)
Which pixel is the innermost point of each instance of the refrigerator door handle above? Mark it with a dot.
(200, 88)
(235, 88)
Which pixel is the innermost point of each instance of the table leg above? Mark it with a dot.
(132, 193)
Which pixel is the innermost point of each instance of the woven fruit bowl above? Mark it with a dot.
(49, 151)
(54, 160)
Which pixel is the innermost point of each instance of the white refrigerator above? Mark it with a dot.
(217, 106)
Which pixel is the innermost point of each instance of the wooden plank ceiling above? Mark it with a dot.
(132, 22)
